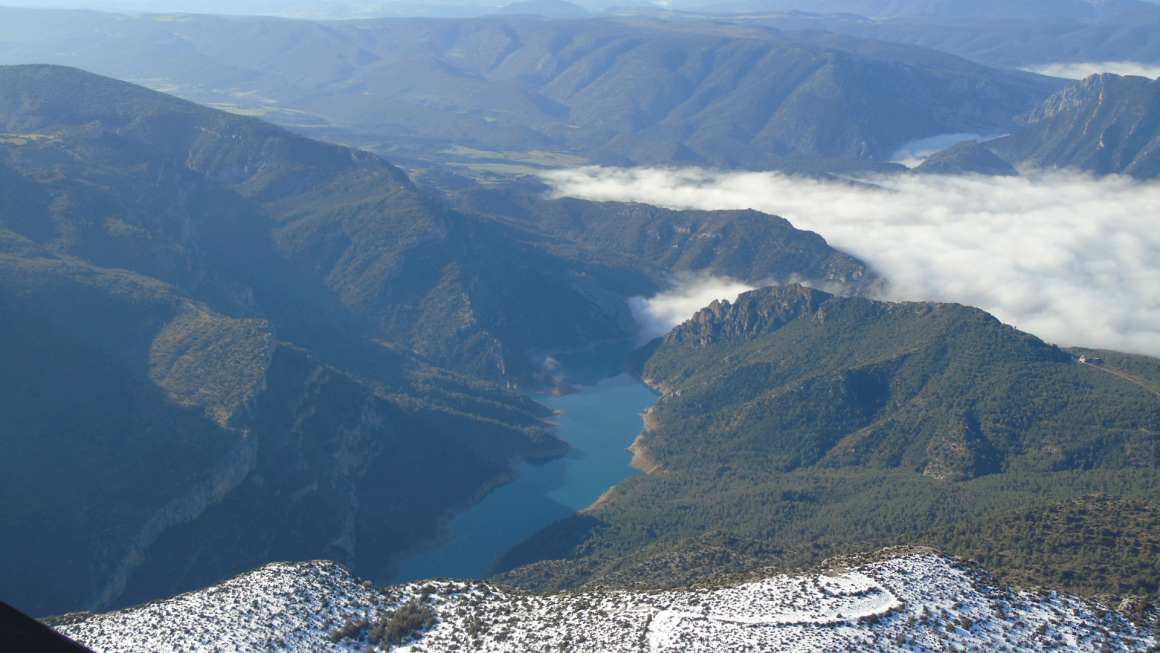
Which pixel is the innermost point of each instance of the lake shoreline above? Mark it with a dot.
(600, 422)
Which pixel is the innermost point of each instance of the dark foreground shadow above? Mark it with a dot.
(20, 633)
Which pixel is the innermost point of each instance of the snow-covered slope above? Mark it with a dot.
(910, 601)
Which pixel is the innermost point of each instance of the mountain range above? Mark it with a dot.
(514, 95)
(157, 394)
(274, 318)
(510, 94)
(1076, 10)
(1004, 35)
(228, 344)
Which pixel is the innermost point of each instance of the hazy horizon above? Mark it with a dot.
(307, 9)
(394, 8)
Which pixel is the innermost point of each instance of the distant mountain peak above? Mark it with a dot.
(1104, 124)
(1072, 97)
(757, 311)
(967, 157)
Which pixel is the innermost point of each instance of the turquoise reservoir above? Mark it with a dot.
(600, 422)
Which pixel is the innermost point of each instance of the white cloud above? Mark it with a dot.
(1070, 258)
(657, 315)
(1082, 70)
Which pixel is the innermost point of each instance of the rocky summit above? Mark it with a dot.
(905, 599)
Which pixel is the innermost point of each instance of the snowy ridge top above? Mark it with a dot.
(916, 602)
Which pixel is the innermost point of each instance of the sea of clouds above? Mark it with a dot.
(1070, 258)
(1082, 70)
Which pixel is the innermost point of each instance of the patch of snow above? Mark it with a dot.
(915, 602)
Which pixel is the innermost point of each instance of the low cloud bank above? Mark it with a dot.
(1072, 259)
(1082, 70)
(657, 315)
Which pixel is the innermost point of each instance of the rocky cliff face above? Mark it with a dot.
(331, 468)
(1088, 91)
(1103, 124)
(752, 314)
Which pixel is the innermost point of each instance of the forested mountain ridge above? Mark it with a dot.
(273, 317)
(519, 93)
(322, 234)
(747, 245)
(1121, 32)
(801, 418)
(142, 428)
(892, 375)
(156, 392)
(226, 196)
(1080, 11)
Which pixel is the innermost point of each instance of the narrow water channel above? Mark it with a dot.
(599, 422)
